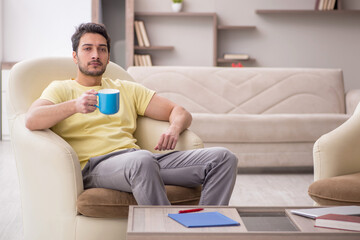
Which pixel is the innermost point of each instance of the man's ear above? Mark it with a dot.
(74, 57)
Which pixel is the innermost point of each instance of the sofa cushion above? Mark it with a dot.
(247, 90)
(248, 128)
(108, 203)
(340, 190)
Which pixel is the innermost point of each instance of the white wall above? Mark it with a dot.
(37, 28)
(280, 40)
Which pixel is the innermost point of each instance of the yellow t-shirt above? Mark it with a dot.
(96, 134)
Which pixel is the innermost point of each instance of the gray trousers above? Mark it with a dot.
(144, 173)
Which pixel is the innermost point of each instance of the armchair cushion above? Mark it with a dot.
(108, 203)
(340, 190)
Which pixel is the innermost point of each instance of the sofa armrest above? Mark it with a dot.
(337, 152)
(148, 133)
(49, 176)
(352, 100)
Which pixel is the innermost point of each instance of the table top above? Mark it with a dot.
(155, 219)
(152, 222)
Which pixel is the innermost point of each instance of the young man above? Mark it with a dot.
(105, 145)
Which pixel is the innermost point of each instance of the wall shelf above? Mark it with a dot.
(154, 48)
(338, 9)
(222, 60)
(234, 27)
(279, 11)
(172, 14)
(227, 62)
(131, 16)
(216, 28)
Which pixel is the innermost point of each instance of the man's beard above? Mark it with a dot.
(97, 73)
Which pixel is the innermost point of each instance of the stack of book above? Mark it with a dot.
(323, 5)
(338, 221)
(236, 56)
(142, 60)
(141, 35)
(337, 217)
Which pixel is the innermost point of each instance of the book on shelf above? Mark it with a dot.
(331, 4)
(136, 60)
(144, 34)
(236, 56)
(322, 5)
(338, 221)
(148, 60)
(142, 60)
(139, 38)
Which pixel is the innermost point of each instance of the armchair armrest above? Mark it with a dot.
(49, 176)
(338, 152)
(352, 100)
(148, 133)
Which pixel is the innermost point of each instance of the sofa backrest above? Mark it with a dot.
(247, 90)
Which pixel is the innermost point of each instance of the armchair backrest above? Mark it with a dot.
(36, 74)
(48, 168)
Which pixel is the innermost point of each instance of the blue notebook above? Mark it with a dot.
(204, 219)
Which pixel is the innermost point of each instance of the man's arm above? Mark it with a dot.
(163, 109)
(45, 114)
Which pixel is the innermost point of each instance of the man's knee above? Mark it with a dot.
(225, 155)
(144, 160)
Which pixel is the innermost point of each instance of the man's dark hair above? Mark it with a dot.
(89, 28)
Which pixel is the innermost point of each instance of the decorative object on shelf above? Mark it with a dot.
(176, 5)
(236, 56)
(236, 65)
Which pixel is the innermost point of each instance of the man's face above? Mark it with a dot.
(92, 56)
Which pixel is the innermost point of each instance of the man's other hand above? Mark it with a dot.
(168, 140)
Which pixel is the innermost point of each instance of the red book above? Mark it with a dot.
(337, 221)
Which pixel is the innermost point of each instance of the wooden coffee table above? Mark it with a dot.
(256, 223)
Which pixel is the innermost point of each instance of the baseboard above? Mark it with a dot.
(5, 137)
(276, 170)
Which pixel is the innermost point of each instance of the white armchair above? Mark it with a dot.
(48, 168)
(337, 165)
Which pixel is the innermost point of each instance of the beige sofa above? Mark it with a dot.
(269, 117)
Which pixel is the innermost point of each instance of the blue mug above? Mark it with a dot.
(109, 101)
